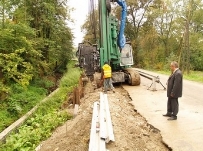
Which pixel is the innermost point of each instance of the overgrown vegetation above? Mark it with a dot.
(47, 117)
(20, 101)
(35, 46)
(35, 41)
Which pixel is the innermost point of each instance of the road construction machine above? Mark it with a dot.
(111, 47)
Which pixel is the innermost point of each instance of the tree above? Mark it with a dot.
(136, 18)
(162, 30)
(196, 37)
(34, 39)
(91, 27)
(190, 7)
(17, 54)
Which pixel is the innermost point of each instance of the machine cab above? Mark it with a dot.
(126, 55)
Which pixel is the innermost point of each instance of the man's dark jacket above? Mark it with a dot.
(175, 85)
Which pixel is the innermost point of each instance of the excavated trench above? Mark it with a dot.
(131, 130)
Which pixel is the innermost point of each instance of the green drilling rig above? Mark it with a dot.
(111, 46)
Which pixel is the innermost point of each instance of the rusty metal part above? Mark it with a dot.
(98, 80)
(77, 96)
(85, 79)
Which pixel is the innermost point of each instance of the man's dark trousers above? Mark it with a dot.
(172, 106)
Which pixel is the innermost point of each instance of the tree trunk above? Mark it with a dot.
(187, 48)
(3, 14)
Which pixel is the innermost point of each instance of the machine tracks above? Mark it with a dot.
(133, 76)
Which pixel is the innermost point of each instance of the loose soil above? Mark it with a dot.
(131, 131)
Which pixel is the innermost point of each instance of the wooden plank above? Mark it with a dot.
(77, 96)
(76, 110)
(74, 97)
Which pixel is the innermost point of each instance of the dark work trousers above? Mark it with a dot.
(172, 106)
(108, 84)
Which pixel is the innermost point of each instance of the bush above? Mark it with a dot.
(23, 99)
(47, 117)
(35, 130)
(159, 66)
(43, 82)
(169, 59)
(20, 101)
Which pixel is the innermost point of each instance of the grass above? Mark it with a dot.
(20, 101)
(47, 117)
(196, 76)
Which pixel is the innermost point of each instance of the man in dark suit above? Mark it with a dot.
(174, 91)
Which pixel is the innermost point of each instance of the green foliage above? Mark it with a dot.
(70, 78)
(197, 60)
(20, 101)
(88, 27)
(47, 117)
(15, 67)
(35, 130)
(44, 83)
(5, 117)
(195, 76)
(34, 39)
(169, 59)
(4, 88)
(35, 42)
(196, 51)
(23, 98)
(14, 107)
(166, 20)
(16, 52)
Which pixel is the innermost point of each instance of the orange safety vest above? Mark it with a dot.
(107, 71)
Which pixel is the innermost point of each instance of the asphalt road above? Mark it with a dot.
(183, 134)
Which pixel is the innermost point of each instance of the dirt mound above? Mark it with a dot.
(131, 130)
